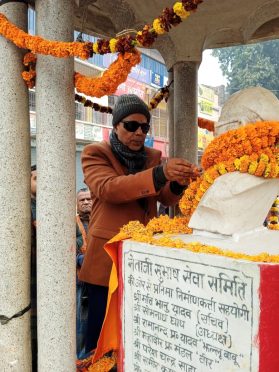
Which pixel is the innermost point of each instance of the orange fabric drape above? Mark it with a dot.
(110, 335)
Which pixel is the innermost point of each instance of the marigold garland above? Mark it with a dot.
(258, 143)
(170, 17)
(163, 93)
(105, 364)
(29, 76)
(41, 46)
(251, 138)
(111, 79)
(138, 232)
(95, 106)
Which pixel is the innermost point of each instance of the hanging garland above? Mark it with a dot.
(95, 106)
(29, 75)
(107, 84)
(145, 38)
(163, 93)
(41, 46)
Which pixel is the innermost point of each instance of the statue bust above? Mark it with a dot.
(239, 202)
(247, 106)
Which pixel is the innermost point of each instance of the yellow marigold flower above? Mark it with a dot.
(273, 227)
(203, 188)
(178, 9)
(267, 170)
(274, 209)
(112, 45)
(221, 168)
(95, 48)
(197, 197)
(264, 158)
(237, 164)
(273, 218)
(208, 178)
(158, 27)
(252, 167)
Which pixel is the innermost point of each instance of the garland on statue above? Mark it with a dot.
(147, 234)
(145, 38)
(225, 154)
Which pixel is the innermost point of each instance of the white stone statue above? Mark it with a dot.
(237, 203)
(247, 106)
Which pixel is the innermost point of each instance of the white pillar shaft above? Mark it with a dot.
(56, 193)
(15, 253)
(185, 110)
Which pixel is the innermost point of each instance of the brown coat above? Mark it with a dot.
(114, 195)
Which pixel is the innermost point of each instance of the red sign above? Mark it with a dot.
(131, 86)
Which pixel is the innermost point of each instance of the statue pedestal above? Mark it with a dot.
(185, 311)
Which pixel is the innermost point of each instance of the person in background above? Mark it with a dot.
(33, 269)
(126, 179)
(84, 206)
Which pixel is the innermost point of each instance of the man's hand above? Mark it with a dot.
(181, 171)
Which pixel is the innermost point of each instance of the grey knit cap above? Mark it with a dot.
(129, 104)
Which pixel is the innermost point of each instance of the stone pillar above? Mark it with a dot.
(56, 193)
(185, 110)
(170, 105)
(15, 253)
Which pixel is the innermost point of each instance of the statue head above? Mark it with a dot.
(248, 106)
(238, 202)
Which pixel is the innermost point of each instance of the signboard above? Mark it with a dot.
(206, 92)
(131, 86)
(205, 106)
(89, 132)
(204, 139)
(187, 312)
(141, 74)
(157, 80)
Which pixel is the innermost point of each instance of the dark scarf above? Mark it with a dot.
(134, 161)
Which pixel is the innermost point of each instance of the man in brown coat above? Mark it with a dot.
(126, 179)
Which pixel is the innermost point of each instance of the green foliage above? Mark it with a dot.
(250, 65)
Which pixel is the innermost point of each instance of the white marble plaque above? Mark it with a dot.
(188, 312)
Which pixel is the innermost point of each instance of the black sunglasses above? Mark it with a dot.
(132, 126)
